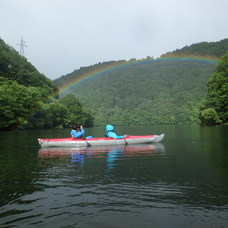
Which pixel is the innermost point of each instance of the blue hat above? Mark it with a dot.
(109, 128)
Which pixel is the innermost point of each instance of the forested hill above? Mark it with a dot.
(216, 49)
(22, 88)
(147, 91)
(25, 97)
(17, 68)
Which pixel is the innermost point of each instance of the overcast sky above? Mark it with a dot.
(64, 35)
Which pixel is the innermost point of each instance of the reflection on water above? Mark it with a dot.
(78, 159)
(182, 182)
(112, 156)
(111, 153)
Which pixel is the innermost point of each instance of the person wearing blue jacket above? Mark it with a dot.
(110, 133)
(77, 132)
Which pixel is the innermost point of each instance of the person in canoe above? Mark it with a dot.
(110, 133)
(77, 132)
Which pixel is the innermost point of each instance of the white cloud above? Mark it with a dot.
(63, 35)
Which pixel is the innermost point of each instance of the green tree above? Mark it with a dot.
(217, 93)
(61, 113)
(77, 114)
(16, 102)
(55, 114)
(209, 117)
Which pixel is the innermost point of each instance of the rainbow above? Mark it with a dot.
(101, 69)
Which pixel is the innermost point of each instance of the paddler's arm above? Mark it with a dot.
(112, 134)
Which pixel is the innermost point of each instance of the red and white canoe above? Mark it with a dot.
(70, 142)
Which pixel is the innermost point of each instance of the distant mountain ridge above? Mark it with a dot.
(152, 92)
(216, 49)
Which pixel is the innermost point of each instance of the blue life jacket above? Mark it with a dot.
(110, 133)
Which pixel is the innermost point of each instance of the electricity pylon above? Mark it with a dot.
(22, 45)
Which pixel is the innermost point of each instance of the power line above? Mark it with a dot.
(22, 45)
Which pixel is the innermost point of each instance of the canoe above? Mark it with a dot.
(70, 142)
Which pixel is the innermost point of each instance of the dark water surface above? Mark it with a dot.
(180, 182)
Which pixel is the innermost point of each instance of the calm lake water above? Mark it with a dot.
(180, 182)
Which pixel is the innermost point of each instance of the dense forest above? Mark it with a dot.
(28, 99)
(216, 49)
(182, 87)
(150, 91)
